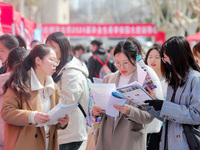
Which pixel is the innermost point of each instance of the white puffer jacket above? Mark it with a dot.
(74, 88)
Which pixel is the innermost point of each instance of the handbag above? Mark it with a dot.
(93, 136)
(192, 134)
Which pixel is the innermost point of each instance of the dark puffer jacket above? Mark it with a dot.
(94, 65)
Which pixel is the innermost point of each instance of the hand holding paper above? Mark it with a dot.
(123, 109)
(110, 110)
(157, 104)
(41, 118)
(96, 111)
(59, 111)
(63, 121)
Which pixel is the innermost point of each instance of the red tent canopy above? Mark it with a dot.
(195, 37)
(6, 17)
(12, 22)
(29, 28)
(17, 22)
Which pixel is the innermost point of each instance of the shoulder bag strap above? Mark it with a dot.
(82, 110)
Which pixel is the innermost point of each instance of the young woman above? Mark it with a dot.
(183, 97)
(71, 77)
(7, 42)
(153, 60)
(128, 131)
(14, 57)
(29, 94)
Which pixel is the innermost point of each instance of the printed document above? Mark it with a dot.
(101, 93)
(110, 110)
(135, 92)
(59, 111)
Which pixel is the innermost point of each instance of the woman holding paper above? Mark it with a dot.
(29, 94)
(128, 130)
(183, 97)
(71, 77)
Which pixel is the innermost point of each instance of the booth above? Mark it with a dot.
(12, 22)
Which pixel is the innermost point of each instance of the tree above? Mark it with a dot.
(175, 17)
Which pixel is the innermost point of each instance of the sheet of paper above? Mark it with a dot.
(101, 93)
(97, 80)
(141, 74)
(135, 92)
(110, 110)
(59, 111)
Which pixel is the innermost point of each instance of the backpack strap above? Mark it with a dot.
(107, 59)
(99, 60)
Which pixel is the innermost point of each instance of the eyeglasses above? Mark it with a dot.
(125, 65)
(54, 61)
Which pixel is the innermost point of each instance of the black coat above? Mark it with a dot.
(3, 69)
(94, 65)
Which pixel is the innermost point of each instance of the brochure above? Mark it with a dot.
(148, 81)
(136, 93)
(59, 111)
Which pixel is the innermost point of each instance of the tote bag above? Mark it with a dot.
(93, 136)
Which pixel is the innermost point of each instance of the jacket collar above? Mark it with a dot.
(35, 84)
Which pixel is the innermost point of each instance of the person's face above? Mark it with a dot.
(197, 58)
(4, 51)
(56, 47)
(94, 47)
(79, 52)
(154, 60)
(47, 65)
(124, 66)
(34, 44)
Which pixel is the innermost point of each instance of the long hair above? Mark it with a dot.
(21, 40)
(128, 48)
(61, 39)
(15, 56)
(19, 79)
(179, 52)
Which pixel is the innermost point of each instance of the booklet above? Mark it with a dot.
(148, 81)
(136, 93)
(106, 95)
(59, 111)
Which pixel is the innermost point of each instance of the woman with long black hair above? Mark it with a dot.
(29, 94)
(182, 105)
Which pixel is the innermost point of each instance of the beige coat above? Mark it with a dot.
(18, 133)
(128, 132)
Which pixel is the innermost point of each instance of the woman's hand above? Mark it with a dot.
(151, 92)
(41, 118)
(63, 121)
(96, 111)
(123, 109)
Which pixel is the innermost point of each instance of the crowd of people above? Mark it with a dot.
(33, 81)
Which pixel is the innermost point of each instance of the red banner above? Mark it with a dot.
(108, 30)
